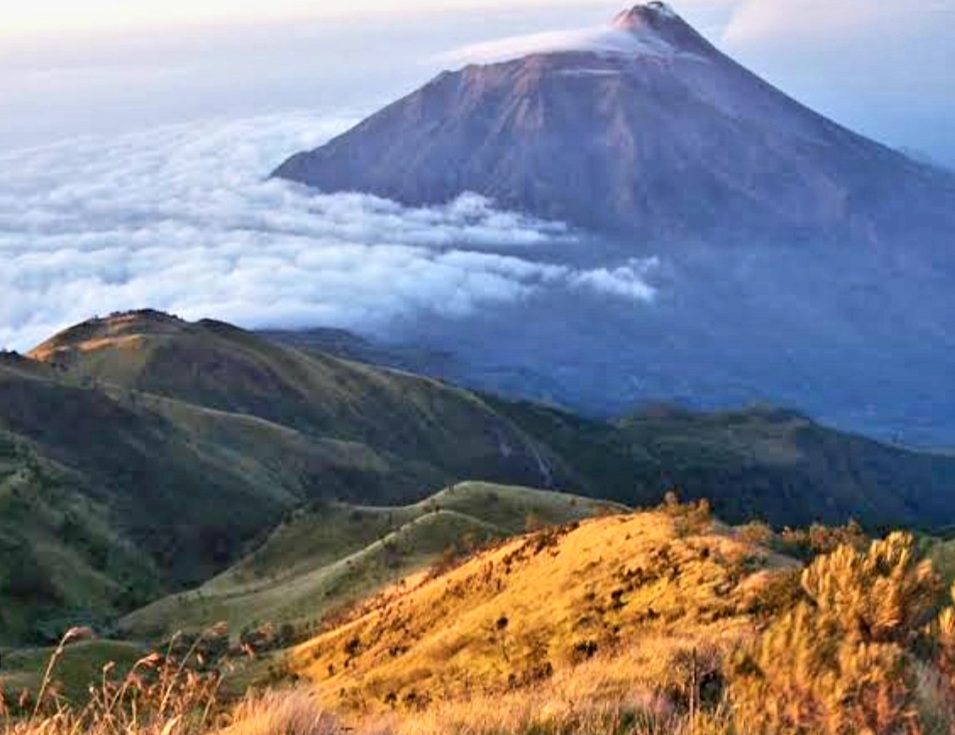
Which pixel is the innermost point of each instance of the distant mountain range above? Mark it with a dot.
(141, 453)
(790, 259)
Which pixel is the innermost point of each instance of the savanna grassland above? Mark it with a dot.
(661, 621)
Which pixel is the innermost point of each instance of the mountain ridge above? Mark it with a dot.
(155, 452)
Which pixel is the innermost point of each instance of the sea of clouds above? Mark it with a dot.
(185, 219)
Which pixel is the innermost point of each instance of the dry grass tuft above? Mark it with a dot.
(858, 655)
(291, 712)
(161, 694)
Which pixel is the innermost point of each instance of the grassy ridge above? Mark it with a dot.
(663, 621)
(650, 622)
(652, 583)
(330, 555)
(220, 367)
(176, 447)
(181, 444)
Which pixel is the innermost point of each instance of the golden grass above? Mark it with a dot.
(551, 634)
(639, 584)
(608, 694)
(338, 554)
(292, 712)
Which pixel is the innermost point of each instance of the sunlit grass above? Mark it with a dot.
(652, 623)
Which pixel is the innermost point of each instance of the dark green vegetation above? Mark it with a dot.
(760, 463)
(142, 454)
(81, 664)
(62, 560)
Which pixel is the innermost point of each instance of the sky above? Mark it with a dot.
(136, 140)
(53, 17)
(79, 67)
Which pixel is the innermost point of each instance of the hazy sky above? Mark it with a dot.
(57, 16)
(80, 67)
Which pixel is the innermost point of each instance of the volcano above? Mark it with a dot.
(795, 262)
(641, 128)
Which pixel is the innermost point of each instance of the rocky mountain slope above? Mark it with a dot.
(644, 130)
(786, 259)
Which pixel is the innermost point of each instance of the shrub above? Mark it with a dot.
(847, 659)
(756, 533)
(809, 543)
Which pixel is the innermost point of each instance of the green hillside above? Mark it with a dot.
(758, 463)
(62, 560)
(329, 555)
(183, 444)
(220, 367)
(143, 455)
(189, 487)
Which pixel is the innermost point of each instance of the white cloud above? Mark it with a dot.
(630, 281)
(184, 219)
(603, 40)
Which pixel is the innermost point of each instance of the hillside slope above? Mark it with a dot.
(775, 465)
(182, 445)
(188, 442)
(328, 556)
(62, 559)
(220, 367)
(649, 583)
(757, 462)
(189, 493)
(664, 621)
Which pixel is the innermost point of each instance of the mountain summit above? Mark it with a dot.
(640, 128)
(660, 22)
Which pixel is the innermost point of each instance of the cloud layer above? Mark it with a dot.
(604, 40)
(183, 219)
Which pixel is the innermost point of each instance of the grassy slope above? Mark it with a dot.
(774, 465)
(61, 559)
(331, 555)
(188, 490)
(638, 585)
(81, 665)
(217, 366)
(770, 464)
(191, 440)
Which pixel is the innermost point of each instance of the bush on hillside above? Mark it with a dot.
(853, 657)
